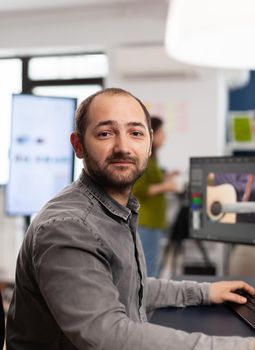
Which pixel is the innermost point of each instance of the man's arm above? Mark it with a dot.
(163, 293)
(75, 279)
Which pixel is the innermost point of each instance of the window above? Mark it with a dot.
(68, 67)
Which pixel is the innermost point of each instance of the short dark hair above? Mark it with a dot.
(156, 123)
(81, 115)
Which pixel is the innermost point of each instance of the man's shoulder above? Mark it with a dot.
(71, 203)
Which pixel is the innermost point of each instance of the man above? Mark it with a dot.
(81, 280)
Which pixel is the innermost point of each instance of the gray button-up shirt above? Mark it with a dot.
(81, 282)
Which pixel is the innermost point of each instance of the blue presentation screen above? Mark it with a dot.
(41, 157)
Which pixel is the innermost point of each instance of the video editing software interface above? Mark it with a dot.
(222, 199)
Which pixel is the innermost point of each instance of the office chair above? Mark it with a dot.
(2, 323)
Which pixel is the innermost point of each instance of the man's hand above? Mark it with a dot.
(225, 291)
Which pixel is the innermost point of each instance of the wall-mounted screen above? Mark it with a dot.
(41, 156)
(222, 199)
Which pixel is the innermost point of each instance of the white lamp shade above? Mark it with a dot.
(214, 33)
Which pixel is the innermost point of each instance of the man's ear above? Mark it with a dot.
(77, 145)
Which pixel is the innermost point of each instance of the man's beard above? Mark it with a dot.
(112, 177)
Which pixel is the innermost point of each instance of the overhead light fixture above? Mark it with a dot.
(213, 33)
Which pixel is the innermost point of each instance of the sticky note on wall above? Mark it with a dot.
(241, 128)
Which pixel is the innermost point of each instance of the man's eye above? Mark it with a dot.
(137, 133)
(104, 134)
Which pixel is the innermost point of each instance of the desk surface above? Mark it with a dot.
(212, 320)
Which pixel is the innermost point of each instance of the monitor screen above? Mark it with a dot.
(41, 156)
(222, 199)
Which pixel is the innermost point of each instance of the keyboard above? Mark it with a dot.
(245, 311)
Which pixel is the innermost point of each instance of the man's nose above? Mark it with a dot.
(121, 143)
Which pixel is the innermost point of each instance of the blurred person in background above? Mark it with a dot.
(150, 191)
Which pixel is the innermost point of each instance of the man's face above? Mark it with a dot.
(116, 145)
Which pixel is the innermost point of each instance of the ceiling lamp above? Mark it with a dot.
(213, 33)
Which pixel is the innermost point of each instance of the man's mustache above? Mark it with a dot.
(121, 157)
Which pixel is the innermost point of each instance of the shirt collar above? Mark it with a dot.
(86, 182)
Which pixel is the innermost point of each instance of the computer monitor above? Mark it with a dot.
(222, 199)
(41, 156)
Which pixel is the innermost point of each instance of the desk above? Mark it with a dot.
(212, 319)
